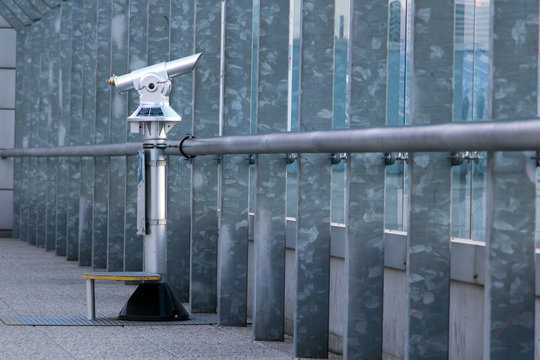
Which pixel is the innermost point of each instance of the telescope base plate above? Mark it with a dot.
(153, 302)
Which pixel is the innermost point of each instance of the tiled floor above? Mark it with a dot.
(35, 282)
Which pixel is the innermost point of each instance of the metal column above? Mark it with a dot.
(52, 19)
(364, 216)
(100, 223)
(178, 191)
(428, 241)
(203, 281)
(41, 116)
(18, 174)
(270, 172)
(235, 120)
(62, 184)
(118, 112)
(509, 301)
(75, 120)
(88, 128)
(314, 181)
(27, 193)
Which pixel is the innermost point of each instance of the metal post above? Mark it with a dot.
(204, 221)
(90, 299)
(52, 18)
(364, 215)
(234, 112)
(62, 184)
(18, 175)
(42, 134)
(509, 301)
(75, 124)
(270, 173)
(102, 93)
(88, 128)
(428, 240)
(311, 318)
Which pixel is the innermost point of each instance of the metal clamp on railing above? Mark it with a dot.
(290, 158)
(537, 158)
(337, 158)
(457, 158)
(187, 137)
(251, 159)
(391, 158)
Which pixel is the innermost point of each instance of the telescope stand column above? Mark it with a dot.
(155, 240)
(155, 300)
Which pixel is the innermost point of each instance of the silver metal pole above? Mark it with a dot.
(155, 240)
(125, 149)
(515, 135)
(90, 299)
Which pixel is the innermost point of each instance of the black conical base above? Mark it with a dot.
(153, 302)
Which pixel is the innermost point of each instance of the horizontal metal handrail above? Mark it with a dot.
(125, 149)
(473, 136)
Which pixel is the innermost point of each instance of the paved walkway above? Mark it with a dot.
(35, 282)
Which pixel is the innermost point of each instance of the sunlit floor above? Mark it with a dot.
(35, 282)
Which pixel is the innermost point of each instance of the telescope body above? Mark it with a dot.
(162, 71)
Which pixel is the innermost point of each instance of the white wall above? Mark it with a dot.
(7, 120)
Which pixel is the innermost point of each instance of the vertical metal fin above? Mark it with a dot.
(509, 301)
(88, 128)
(364, 257)
(64, 67)
(102, 165)
(52, 19)
(204, 224)
(118, 113)
(179, 176)
(235, 115)
(311, 322)
(75, 124)
(428, 241)
(270, 172)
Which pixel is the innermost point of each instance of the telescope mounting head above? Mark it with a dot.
(154, 86)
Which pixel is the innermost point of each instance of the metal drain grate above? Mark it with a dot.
(195, 319)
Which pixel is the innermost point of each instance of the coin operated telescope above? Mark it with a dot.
(153, 119)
